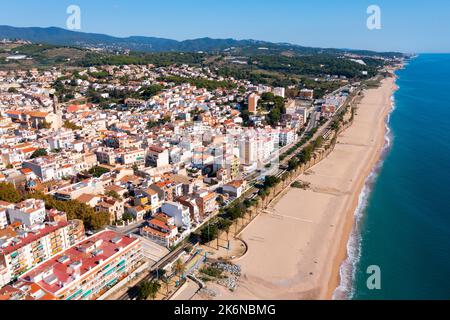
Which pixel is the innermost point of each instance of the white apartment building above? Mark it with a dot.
(43, 168)
(179, 212)
(279, 91)
(133, 157)
(29, 212)
(34, 245)
(287, 136)
(3, 218)
(157, 157)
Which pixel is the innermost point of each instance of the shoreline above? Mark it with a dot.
(342, 253)
(311, 242)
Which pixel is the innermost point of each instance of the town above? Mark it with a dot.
(115, 178)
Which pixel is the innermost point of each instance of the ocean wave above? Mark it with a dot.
(347, 270)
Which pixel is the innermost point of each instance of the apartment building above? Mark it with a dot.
(28, 212)
(3, 218)
(88, 269)
(162, 230)
(306, 94)
(157, 157)
(115, 208)
(206, 202)
(106, 156)
(287, 136)
(253, 102)
(235, 188)
(179, 212)
(44, 168)
(73, 191)
(133, 157)
(22, 249)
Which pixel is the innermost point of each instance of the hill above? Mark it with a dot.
(59, 36)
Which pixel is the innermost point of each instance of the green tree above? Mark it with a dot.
(127, 216)
(225, 225)
(98, 171)
(75, 210)
(209, 232)
(148, 289)
(44, 125)
(39, 153)
(113, 194)
(9, 193)
(70, 125)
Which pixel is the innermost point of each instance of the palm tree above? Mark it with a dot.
(154, 288)
(180, 268)
(148, 289)
(166, 281)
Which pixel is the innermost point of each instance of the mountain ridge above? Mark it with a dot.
(60, 36)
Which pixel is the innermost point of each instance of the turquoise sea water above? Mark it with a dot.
(404, 221)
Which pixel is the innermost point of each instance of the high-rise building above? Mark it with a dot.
(253, 102)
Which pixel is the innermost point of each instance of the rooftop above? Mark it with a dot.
(78, 260)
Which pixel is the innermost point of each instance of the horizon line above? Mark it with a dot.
(214, 38)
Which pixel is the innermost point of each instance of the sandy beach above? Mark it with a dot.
(296, 247)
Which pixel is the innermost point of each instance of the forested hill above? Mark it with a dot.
(59, 36)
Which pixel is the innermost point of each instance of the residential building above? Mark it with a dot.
(3, 218)
(179, 212)
(253, 103)
(28, 212)
(162, 230)
(235, 188)
(157, 157)
(22, 249)
(88, 269)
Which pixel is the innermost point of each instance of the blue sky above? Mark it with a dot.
(407, 25)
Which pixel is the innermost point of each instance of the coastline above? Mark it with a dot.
(342, 252)
(318, 232)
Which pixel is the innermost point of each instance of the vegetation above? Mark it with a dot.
(179, 268)
(140, 58)
(39, 153)
(161, 122)
(199, 83)
(274, 105)
(75, 210)
(212, 271)
(9, 193)
(44, 125)
(148, 289)
(98, 171)
(209, 232)
(70, 125)
(114, 194)
(127, 217)
(300, 185)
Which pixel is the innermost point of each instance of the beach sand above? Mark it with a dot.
(296, 247)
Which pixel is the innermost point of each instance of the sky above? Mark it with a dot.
(412, 26)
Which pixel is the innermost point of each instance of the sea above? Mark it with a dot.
(400, 244)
